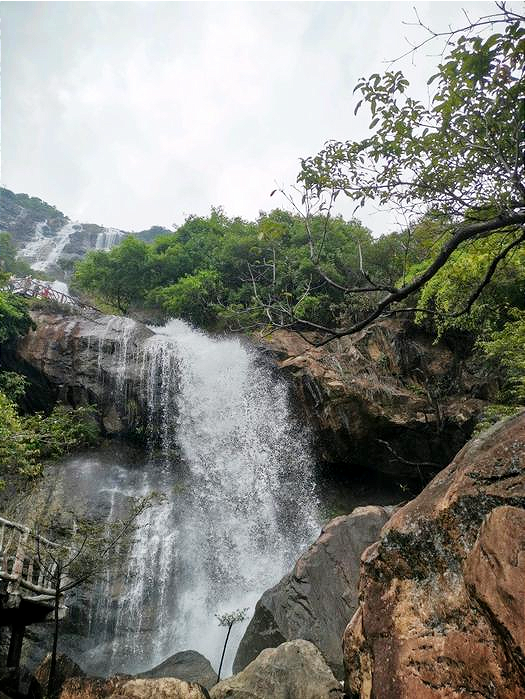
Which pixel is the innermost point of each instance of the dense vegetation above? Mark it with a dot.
(37, 209)
(211, 270)
(8, 260)
(218, 273)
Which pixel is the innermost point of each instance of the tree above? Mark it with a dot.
(193, 297)
(117, 276)
(15, 320)
(228, 620)
(458, 162)
(74, 563)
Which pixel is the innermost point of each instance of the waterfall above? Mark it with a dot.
(43, 251)
(107, 238)
(236, 471)
(31, 251)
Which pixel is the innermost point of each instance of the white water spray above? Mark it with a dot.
(236, 471)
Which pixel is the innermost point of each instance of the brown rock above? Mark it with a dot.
(417, 398)
(161, 688)
(129, 687)
(495, 574)
(292, 670)
(442, 593)
(87, 359)
(65, 668)
(187, 665)
(87, 687)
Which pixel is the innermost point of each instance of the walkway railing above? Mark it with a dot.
(29, 287)
(26, 563)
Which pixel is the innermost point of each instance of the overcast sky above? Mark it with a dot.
(130, 114)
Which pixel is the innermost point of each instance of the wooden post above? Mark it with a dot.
(15, 645)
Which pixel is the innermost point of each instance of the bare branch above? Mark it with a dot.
(397, 456)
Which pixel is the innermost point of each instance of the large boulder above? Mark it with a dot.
(292, 670)
(389, 398)
(130, 687)
(188, 666)
(442, 594)
(318, 598)
(65, 668)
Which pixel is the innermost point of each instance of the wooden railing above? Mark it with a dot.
(26, 563)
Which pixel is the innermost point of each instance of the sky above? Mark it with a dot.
(133, 114)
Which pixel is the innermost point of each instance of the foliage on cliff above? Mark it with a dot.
(27, 440)
(8, 260)
(33, 206)
(14, 317)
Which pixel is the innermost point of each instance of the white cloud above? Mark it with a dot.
(131, 114)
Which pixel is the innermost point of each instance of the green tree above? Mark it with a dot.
(193, 298)
(505, 348)
(26, 441)
(458, 161)
(117, 276)
(206, 270)
(15, 320)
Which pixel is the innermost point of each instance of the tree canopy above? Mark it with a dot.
(214, 270)
(457, 163)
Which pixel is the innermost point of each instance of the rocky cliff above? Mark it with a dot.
(387, 399)
(442, 594)
(87, 359)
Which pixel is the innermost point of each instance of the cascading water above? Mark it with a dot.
(235, 469)
(107, 238)
(44, 251)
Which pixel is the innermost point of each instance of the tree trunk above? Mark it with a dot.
(15, 645)
(52, 667)
(223, 652)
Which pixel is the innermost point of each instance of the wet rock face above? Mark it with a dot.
(387, 398)
(318, 598)
(292, 670)
(90, 359)
(442, 595)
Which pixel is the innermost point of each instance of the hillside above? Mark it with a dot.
(49, 240)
